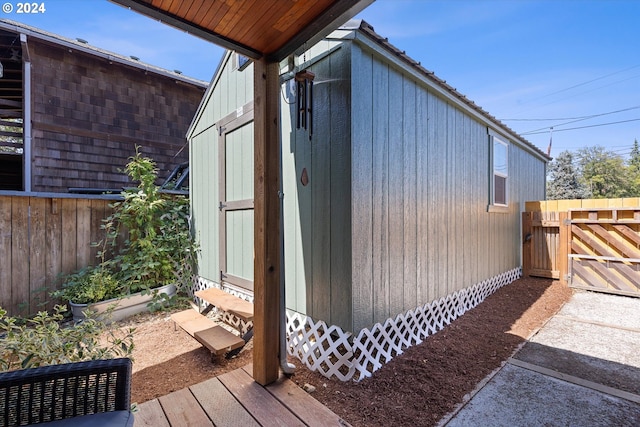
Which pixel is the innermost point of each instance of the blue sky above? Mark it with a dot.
(564, 60)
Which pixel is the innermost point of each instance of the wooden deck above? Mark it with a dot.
(234, 399)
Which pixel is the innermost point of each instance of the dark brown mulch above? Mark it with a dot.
(427, 381)
(418, 387)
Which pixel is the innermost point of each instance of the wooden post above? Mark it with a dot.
(527, 239)
(266, 223)
(565, 247)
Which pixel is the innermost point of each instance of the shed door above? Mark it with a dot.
(236, 197)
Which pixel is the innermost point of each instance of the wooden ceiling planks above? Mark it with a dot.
(252, 27)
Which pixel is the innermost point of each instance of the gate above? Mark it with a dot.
(588, 244)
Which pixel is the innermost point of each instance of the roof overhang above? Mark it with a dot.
(253, 28)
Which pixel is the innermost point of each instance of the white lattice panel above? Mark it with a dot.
(328, 350)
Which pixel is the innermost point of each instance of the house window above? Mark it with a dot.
(499, 174)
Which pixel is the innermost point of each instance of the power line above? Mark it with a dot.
(570, 118)
(582, 84)
(578, 119)
(582, 127)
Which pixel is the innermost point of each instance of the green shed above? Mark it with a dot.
(402, 199)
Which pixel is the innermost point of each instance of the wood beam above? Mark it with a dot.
(266, 223)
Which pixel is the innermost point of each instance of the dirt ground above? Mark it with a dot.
(418, 387)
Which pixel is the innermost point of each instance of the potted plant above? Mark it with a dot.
(157, 255)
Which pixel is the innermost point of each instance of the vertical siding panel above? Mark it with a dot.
(450, 215)
(459, 200)
(305, 255)
(5, 252)
(319, 187)
(438, 199)
(362, 175)
(409, 194)
(291, 230)
(341, 261)
(482, 199)
(396, 192)
(422, 196)
(381, 193)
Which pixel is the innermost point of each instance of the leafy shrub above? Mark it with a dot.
(158, 248)
(42, 340)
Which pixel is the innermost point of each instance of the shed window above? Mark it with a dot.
(500, 172)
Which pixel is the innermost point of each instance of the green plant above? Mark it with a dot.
(159, 245)
(152, 228)
(42, 340)
(89, 285)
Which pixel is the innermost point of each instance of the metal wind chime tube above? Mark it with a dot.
(304, 119)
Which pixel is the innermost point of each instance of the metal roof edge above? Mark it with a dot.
(365, 34)
(37, 33)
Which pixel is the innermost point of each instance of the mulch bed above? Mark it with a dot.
(418, 387)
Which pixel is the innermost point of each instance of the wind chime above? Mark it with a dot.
(304, 101)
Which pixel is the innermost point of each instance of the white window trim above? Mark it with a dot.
(493, 206)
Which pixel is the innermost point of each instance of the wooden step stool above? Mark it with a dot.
(214, 337)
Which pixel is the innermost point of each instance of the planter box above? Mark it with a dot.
(122, 307)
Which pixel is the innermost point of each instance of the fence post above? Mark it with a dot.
(527, 237)
(565, 247)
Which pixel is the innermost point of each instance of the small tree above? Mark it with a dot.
(603, 173)
(563, 182)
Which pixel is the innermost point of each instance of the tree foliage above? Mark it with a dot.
(564, 182)
(594, 172)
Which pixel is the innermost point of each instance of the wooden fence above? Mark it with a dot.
(589, 244)
(42, 237)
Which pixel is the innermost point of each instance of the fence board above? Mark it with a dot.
(70, 240)
(37, 258)
(5, 251)
(19, 255)
(83, 233)
(53, 246)
(40, 238)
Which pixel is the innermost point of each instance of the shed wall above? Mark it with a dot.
(229, 90)
(88, 115)
(317, 227)
(420, 171)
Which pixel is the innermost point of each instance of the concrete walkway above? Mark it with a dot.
(581, 369)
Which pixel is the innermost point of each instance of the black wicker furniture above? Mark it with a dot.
(93, 393)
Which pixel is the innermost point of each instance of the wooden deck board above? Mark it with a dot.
(235, 399)
(150, 414)
(301, 403)
(212, 396)
(265, 408)
(182, 409)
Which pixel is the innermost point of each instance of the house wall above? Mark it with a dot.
(230, 90)
(88, 115)
(420, 170)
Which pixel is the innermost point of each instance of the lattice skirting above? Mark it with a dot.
(336, 353)
(332, 352)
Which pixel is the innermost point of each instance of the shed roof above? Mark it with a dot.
(366, 29)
